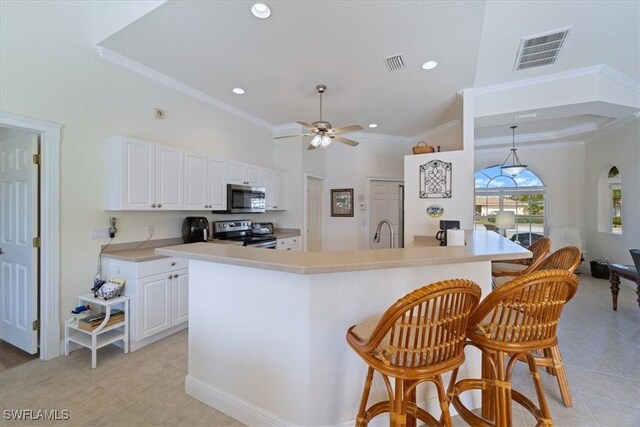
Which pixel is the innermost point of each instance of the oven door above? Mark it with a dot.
(268, 244)
(245, 199)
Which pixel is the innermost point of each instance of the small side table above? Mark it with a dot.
(102, 335)
(617, 271)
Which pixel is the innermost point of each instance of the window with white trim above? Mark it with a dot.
(524, 194)
(613, 197)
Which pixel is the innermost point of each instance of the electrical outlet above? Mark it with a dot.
(99, 233)
(150, 230)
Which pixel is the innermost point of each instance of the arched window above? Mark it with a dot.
(610, 201)
(523, 194)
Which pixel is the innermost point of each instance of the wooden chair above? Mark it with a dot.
(418, 338)
(511, 322)
(540, 248)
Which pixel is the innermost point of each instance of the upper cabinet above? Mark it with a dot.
(273, 182)
(204, 183)
(141, 175)
(243, 174)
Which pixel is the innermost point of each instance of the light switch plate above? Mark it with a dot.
(99, 233)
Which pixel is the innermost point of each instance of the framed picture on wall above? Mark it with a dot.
(342, 202)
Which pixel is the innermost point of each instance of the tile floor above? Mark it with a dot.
(601, 349)
(11, 356)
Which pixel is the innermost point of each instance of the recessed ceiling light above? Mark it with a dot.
(373, 125)
(429, 65)
(238, 90)
(261, 10)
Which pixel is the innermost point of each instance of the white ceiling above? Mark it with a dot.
(216, 46)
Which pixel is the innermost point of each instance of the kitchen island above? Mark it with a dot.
(267, 328)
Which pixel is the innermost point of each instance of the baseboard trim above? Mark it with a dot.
(231, 405)
(136, 345)
(251, 415)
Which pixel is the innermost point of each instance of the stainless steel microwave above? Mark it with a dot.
(244, 199)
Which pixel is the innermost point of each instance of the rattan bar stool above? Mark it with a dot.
(540, 248)
(418, 338)
(567, 258)
(510, 324)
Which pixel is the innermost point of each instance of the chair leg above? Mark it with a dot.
(487, 399)
(563, 382)
(445, 418)
(360, 420)
(502, 392)
(539, 390)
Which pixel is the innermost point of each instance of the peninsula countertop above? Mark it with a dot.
(481, 246)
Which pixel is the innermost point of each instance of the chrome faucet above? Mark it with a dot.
(376, 238)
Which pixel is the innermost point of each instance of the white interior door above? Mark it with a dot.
(385, 204)
(314, 214)
(19, 225)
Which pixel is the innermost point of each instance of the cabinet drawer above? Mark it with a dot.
(161, 265)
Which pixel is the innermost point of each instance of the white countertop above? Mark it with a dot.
(481, 246)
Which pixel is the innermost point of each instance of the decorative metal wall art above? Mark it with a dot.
(435, 180)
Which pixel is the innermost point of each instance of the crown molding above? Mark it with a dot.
(612, 126)
(435, 130)
(134, 66)
(601, 69)
(545, 144)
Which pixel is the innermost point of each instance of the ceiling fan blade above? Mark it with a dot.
(286, 136)
(306, 125)
(344, 140)
(345, 129)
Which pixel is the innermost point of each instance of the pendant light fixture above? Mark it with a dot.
(512, 164)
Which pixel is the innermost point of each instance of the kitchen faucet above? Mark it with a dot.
(376, 238)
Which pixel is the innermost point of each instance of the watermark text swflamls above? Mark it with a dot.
(36, 414)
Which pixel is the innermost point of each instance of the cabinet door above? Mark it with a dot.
(267, 177)
(169, 177)
(180, 309)
(195, 182)
(279, 201)
(138, 175)
(217, 184)
(235, 173)
(154, 304)
(252, 176)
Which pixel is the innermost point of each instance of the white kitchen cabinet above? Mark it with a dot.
(204, 183)
(289, 243)
(274, 185)
(141, 175)
(243, 174)
(159, 293)
(169, 177)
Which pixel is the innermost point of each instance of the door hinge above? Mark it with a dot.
(36, 242)
(36, 325)
(36, 159)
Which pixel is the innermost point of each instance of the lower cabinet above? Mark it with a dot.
(159, 292)
(289, 243)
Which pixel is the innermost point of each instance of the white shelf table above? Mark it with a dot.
(100, 336)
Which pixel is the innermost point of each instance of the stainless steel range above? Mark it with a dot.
(241, 232)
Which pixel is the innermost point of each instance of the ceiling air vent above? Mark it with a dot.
(395, 62)
(542, 49)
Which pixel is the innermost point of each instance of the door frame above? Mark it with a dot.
(49, 201)
(368, 199)
(304, 208)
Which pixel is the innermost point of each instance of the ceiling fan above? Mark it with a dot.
(324, 133)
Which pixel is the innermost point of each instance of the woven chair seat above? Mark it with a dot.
(507, 267)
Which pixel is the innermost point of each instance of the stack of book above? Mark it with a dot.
(92, 322)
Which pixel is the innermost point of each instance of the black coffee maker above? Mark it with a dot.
(444, 226)
(195, 229)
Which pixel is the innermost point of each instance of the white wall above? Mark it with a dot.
(621, 148)
(561, 168)
(458, 207)
(353, 167)
(49, 70)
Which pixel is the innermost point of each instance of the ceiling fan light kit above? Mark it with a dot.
(324, 133)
